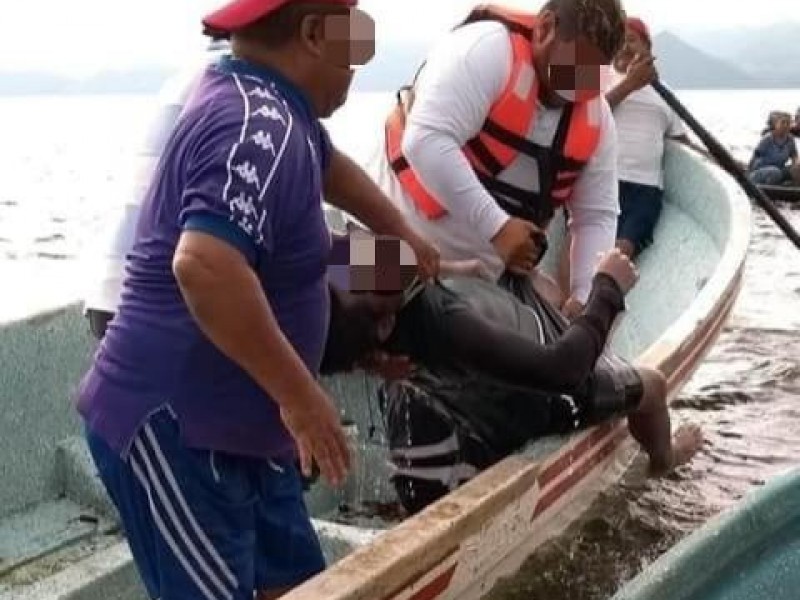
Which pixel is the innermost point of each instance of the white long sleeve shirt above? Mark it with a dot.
(462, 78)
(104, 257)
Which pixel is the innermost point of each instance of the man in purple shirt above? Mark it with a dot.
(203, 393)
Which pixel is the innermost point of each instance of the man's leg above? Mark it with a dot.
(188, 515)
(640, 207)
(650, 425)
(288, 551)
(625, 245)
(766, 176)
(616, 389)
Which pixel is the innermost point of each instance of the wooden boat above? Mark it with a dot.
(751, 552)
(58, 534)
(782, 193)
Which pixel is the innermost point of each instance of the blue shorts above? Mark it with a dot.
(640, 207)
(204, 525)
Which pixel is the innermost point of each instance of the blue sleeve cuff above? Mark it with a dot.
(221, 228)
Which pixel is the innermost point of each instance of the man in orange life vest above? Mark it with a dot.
(504, 124)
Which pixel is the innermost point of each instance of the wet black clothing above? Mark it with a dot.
(496, 372)
(471, 324)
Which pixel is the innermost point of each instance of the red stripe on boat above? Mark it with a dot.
(556, 468)
(603, 452)
(437, 586)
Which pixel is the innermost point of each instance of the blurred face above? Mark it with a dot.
(362, 262)
(344, 41)
(578, 70)
(635, 45)
(571, 69)
(359, 324)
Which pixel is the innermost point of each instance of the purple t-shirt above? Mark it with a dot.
(245, 163)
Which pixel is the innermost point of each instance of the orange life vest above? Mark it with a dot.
(504, 136)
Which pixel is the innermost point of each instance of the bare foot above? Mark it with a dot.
(688, 439)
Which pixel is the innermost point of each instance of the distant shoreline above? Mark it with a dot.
(154, 91)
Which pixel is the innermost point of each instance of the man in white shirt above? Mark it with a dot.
(105, 255)
(644, 121)
(464, 78)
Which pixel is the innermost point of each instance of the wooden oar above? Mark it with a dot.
(727, 162)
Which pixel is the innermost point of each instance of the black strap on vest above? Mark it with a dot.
(537, 207)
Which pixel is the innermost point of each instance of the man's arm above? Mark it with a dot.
(228, 303)
(348, 187)
(620, 92)
(455, 92)
(226, 299)
(640, 73)
(594, 209)
(560, 366)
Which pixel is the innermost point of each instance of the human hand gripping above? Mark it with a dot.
(428, 260)
(620, 268)
(518, 245)
(641, 72)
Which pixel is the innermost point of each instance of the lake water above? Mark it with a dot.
(61, 160)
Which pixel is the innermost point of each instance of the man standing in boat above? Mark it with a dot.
(644, 122)
(504, 124)
(203, 393)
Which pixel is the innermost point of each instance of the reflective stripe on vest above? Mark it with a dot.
(504, 136)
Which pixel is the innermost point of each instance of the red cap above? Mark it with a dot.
(241, 13)
(639, 27)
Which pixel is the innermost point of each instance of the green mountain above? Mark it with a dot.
(685, 67)
(725, 59)
(769, 54)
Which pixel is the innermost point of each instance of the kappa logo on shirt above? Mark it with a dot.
(248, 173)
(245, 205)
(264, 140)
(270, 112)
(263, 93)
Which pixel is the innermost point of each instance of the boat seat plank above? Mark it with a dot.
(44, 529)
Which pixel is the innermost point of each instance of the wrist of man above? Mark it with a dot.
(629, 85)
(572, 308)
(293, 392)
(491, 228)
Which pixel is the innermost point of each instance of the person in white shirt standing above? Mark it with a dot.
(105, 255)
(505, 124)
(644, 121)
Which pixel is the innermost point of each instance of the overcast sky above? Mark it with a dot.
(82, 36)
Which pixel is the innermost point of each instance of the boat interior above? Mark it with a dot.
(58, 529)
